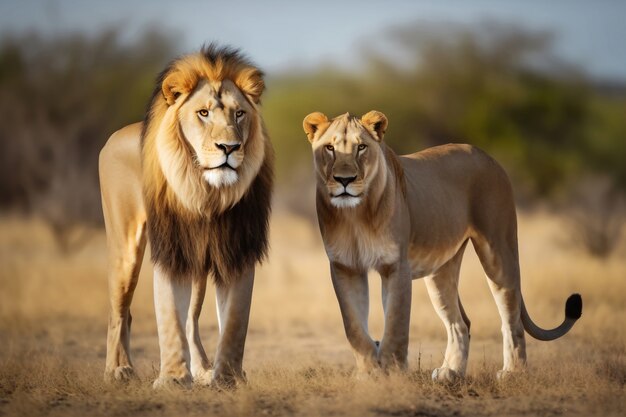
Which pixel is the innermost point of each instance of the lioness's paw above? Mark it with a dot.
(203, 377)
(446, 375)
(227, 380)
(120, 374)
(172, 383)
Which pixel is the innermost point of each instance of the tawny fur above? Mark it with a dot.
(154, 188)
(224, 229)
(416, 214)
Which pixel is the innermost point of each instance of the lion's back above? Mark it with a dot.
(120, 169)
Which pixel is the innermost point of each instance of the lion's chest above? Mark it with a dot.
(356, 246)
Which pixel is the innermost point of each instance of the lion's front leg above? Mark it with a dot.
(171, 304)
(200, 366)
(233, 309)
(397, 305)
(352, 293)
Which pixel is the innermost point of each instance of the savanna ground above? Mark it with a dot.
(53, 316)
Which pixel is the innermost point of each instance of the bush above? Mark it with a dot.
(60, 99)
(596, 214)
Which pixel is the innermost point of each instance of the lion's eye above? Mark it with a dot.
(330, 148)
(203, 113)
(239, 114)
(362, 147)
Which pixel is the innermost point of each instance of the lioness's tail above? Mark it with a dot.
(573, 311)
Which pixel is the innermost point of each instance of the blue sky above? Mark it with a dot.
(284, 34)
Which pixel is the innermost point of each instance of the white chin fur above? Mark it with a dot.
(345, 202)
(220, 177)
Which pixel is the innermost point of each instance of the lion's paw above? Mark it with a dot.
(172, 383)
(508, 375)
(502, 375)
(121, 374)
(446, 375)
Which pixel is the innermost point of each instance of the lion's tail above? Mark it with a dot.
(573, 311)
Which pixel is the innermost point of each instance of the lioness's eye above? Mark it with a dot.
(203, 112)
(239, 114)
(330, 148)
(362, 146)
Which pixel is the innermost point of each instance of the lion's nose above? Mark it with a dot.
(228, 149)
(345, 180)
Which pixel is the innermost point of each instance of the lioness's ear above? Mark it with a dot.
(174, 85)
(376, 122)
(250, 81)
(312, 123)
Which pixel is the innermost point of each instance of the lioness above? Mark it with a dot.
(195, 178)
(411, 217)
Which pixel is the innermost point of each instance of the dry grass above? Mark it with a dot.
(53, 325)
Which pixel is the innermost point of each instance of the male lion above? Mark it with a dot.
(196, 178)
(410, 217)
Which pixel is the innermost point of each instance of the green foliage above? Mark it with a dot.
(497, 87)
(60, 99)
(606, 138)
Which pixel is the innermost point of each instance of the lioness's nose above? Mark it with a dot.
(344, 180)
(228, 149)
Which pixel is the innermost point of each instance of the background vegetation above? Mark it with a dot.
(498, 87)
(560, 134)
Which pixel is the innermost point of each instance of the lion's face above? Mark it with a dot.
(347, 154)
(203, 141)
(216, 121)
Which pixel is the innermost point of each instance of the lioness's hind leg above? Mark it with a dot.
(502, 268)
(442, 288)
(466, 319)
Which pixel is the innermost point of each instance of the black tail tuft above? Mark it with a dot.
(574, 307)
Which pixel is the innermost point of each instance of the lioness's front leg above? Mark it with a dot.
(233, 309)
(397, 305)
(171, 304)
(351, 289)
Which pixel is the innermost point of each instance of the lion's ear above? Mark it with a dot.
(250, 81)
(174, 85)
(312, 123)
(376, 122)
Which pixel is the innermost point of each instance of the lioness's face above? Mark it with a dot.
(347, 154)
(216, 120)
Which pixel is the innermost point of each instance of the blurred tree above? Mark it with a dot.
(595, 211)
(60, 99)
(497, 86)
